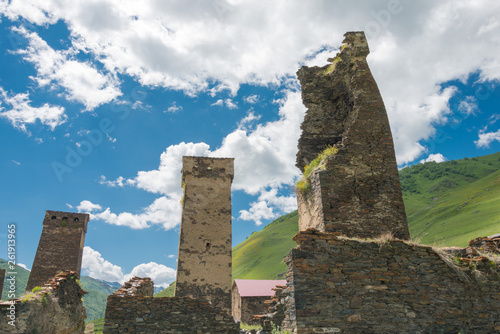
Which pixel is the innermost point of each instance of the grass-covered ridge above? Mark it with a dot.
(261, 255)
(168, 292)
(451, 202)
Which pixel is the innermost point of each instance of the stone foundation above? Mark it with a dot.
(133, 309)
(176, 315)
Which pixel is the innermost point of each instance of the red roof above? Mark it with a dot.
(257, 288)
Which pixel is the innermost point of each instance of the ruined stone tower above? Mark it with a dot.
(356, 191)
(60, 247)
(204, 260)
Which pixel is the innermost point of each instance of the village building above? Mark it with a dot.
(249, 296)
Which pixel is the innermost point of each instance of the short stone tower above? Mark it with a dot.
(204, 260)
(60, 247)
(356, 191)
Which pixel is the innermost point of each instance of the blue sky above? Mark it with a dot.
(99, 101)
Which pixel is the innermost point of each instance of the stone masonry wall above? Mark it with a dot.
(358, 191)
(251, 306)
(204, 260)
(60, 247)
(56, 308)
(137, 286)
(343, 285)
(175, 315)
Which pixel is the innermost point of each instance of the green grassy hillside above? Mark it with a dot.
(168, 292)
(261, 255)
(449, 203)
(98, 291)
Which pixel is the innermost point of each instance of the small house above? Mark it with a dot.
(248, 297)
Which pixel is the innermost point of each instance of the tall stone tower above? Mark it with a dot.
(60, 247)
(204, 260)
(356, 191)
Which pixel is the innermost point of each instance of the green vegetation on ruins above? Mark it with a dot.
(304, 184)
(332, 66)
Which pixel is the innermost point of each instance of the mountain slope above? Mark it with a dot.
(168, 292)
(261, 255)
(449, 203)
(98, 291)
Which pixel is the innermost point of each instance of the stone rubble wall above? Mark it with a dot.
(56, 308)
(137, 286)
(344, 285)
(251, 306)
(486, 244)
(166, 315)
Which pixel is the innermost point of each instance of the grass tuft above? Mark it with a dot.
(331, 68)
(304, 184)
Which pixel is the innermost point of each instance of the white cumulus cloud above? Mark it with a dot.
(264, 158)
(22, 265)
(438, 157)
(164, 211)
(81, 81)
(88, 206)
(217, 46)
(486, 138)
(94, 265)
(159, 273)
(21, 112)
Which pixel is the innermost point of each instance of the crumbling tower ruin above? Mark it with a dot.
(357, 190)
(2, 279)
(60, 247)
(204, 260)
